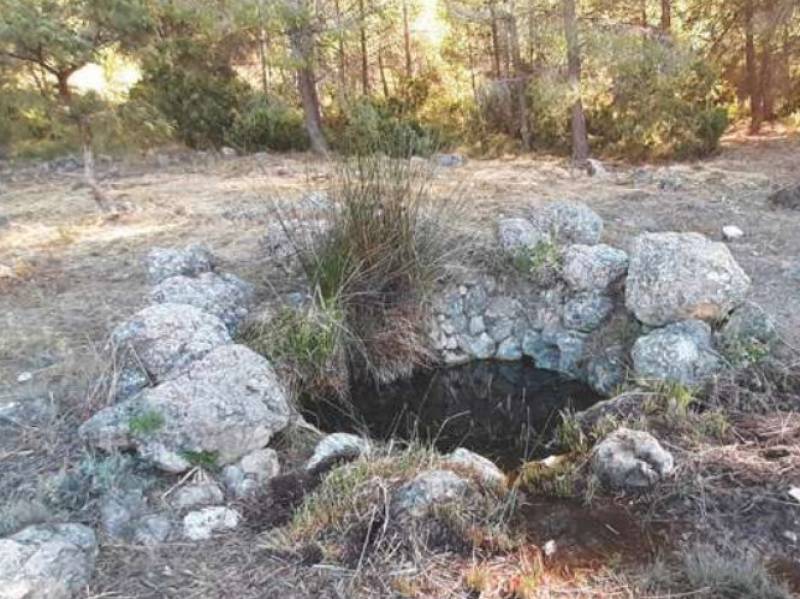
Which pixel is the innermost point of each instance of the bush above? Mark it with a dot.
(663, 102)
(376, 264)
(267, 124)
(199, 95)
(370, 126)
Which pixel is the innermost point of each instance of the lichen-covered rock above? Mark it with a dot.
(500, 317)
(509, 349)
(163, 339)
(568, 222)
(606, 370)
(151, 529)
(486, 470)
(163, 263)
(749, 326)
(516, 234)
(244, 478)
(338, 446)
(433, 487)
(545, 355)
(47, 562)
(224, 295)
(587, 311)
(630, 460)
(200, 525)
(479, 347)
(593, 267)
(681, 352)
(119, 509)
(679, 276)
(224, 406)
(197, 494)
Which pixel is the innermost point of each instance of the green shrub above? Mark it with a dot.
(370, 126)
(267, 124)
(198, 93)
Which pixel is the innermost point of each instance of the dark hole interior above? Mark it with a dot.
(505, 411)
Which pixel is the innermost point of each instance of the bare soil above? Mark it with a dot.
(68, 275)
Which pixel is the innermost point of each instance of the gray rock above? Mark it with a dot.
(164, 339)
(32, 412)
(223, 295)
(450, 160)
(545, 355)
(486, 470)
(163, 263)
(119, 509)
(200, 525)
(593, 267)
(500, 317)
(681, 352)
(476, 325)
(198, 494)
(476, 300)
(630, 460)
(338, 446)
(606, 371)
(595, 168)
(587, 311)
(678, 276)
(516, 234)
(152, 529)
(224, 406)
(509, 349)
(481, 347)
(47, 562)
(261, 464)
(427, 489)
(786, 197)
(236, 483)
(569, 222)
(748, 325)
(570, 347)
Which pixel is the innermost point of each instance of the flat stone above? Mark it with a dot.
(631, 460)
(593, 267)
(198, 494)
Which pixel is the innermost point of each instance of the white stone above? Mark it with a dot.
(338, 446)
(631, 460)
(200, 525)
(732, 233)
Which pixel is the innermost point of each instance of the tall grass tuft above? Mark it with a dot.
(386, 244)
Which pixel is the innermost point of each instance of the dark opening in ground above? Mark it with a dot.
(505, 411)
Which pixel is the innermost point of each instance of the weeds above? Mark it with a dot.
(708, 573)
(202, 459)
(375, 267)
(146, 423)
(543, 262)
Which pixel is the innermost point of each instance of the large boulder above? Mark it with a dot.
(516, 234)
(681, 352)
(678, 276)
(749, 328)
(593, 267)
(224, 295)
(47, 562)
(569, 222)
(224, 406)
(165, 338)
(163, 263)
(630, 460)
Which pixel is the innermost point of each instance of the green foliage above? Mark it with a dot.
(569, 434)
(542, 262)
(146, 423)
(663, 101)
(375, 126)
(196, 90)
(268, 124)
(558, 478)
(202, 459)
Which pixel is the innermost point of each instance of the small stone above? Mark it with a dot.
(151, 530)
(790, 536)
(549, 548)
(509, 350)
(195, 495)
(337, 446)
(24, 377)
(732, 233)
(162, 263)
(261, 464)
(200, 525)
(515, 234)
(631, 460)
(476, 325)
(481, 347)
(427, 489)
(486, 470)
(587, 311)
(118, 510)
(227, 152)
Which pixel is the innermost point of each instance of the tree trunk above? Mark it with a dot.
(765, 82)
(495, 41)
(364, 58)
(407, 41)
(384, 82)
(302, 44)
(666, 15)
(643, 13)
(580, 142)
(85, 134)
(262, 51)
(520, 78)
(750, 67)
(341, 62)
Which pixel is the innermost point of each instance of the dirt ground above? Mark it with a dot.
(68, 275)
